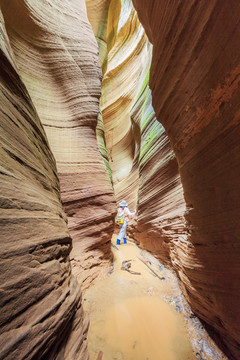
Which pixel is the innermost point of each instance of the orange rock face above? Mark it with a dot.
(57, 57)
(194, 79)
(41, 312)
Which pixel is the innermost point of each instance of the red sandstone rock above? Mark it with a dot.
(57, 57)
(41, 313)
(195, 77)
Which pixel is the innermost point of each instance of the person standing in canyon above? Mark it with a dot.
(122, 218)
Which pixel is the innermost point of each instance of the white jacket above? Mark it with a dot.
(126, 212)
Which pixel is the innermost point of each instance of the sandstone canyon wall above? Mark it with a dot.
(41, 313)
(194, 79)
(144, 167)
(57, 58)
(161, 204)
(119, 37)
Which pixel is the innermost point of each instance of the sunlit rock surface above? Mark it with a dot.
(120, 40)
(57, 57)
(41, 313)
(143, 165)
(194, 79)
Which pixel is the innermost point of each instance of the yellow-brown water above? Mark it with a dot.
(128, 317)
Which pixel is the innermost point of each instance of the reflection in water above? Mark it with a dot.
(128, 320)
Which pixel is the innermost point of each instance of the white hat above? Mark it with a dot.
(123, 203)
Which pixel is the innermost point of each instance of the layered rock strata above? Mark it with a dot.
(120, 40)
(194, 79)
(195, 88)
(41, 313)
(56, 54)
(143, 164)
(161, 205)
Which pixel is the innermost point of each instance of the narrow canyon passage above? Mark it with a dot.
(105, 100)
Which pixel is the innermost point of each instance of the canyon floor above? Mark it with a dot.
(143, 317)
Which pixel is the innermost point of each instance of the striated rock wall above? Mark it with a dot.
(194, 79)
(41, 313)
(120, 40)
(104, 16)
(56, 54)
(143, 164)
(195, 89)
(161, 204)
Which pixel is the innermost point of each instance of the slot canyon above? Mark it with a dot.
(105, 100)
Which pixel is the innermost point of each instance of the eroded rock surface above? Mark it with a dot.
(119, 38)
(194, 79)
(41, 313)
(57, 57)
(143, 164)
(195, 88)
(161, 204)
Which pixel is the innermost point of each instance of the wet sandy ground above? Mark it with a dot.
(140, 317)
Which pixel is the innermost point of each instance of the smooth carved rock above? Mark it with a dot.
(194, 79)
(104, 16)
(57, 57)
(41, 312)
(112, 30)
(143, 164)
(115, 23)
(161, 204)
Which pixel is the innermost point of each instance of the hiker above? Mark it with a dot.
(122, 218)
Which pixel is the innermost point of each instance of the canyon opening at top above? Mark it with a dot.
(165, 76)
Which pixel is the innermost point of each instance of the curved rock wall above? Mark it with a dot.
(194, 79)
(41, 313)
(56, 54)
(104, 17)
(115, 24)
(161, 204)
(144, 167)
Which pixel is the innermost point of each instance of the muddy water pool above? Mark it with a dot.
(134, 317)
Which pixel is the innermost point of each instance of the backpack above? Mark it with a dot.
(120, 218)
